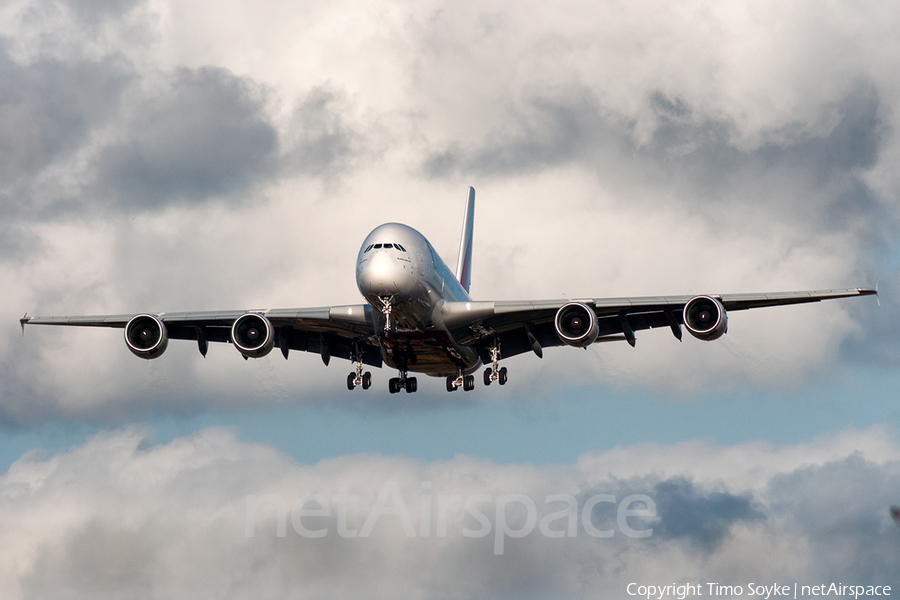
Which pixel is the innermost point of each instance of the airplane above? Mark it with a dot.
(419, 318)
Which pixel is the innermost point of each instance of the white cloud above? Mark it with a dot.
(120, 515)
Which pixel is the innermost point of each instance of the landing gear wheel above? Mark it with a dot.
(503, 376)
(451, 384)
(487, 376)
(394, 385)
(367, 380)
(468, 383)
(411, 385)
(350, 381)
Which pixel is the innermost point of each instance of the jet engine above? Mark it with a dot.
(705, 318)
(576, 324)
(253, 335)
(146, 337)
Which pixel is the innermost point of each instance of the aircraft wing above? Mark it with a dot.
(327, 331)
(529, 326)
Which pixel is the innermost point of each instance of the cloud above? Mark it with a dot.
(94, 11)
(50, 109)
(320, 140)
(703, 518)
(203, 135)
(199, 517)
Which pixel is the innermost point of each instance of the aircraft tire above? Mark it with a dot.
(468, 383)
(487, 376)
(411, 385)
(503, 376)
(367, 380)
(450, 386)
(394, 385)
(350, 379)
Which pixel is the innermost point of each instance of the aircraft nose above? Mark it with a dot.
(384, 275)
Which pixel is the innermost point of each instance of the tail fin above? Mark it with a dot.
(464, 265)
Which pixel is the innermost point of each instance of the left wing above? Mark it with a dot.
(522, 326)
(342, 331)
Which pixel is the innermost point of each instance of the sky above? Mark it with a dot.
(166, 156)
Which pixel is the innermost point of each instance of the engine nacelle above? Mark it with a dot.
(576, 324)
(253, 335)
(705, 318)
(146, 336)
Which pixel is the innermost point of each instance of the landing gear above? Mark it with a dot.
(466, 382)
(494, 372)
(403, 383)
(386, 311)
(363, 379)
(358, 377)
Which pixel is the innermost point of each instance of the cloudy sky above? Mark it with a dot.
(162, 156)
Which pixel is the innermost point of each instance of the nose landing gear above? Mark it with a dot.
(386, 307)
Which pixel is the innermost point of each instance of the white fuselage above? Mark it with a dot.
(396, 265)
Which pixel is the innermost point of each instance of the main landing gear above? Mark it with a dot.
(402, 383)
(493, 373)
(466, 382)
(358, 377)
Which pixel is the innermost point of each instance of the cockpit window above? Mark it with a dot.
(400, 247)
(387, 246)
(377, 246)
(368, 248)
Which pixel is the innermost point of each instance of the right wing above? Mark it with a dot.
(529, 326)
(342, 331)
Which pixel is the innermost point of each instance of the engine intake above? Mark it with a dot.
(146, 336)
(705, 318)
(253, 335)
(576, 324)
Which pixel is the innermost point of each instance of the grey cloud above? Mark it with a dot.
(95, 11)
(796, 172)
(842, 506)
(685, 511)
(549, 130)
(321, 140)
(205, 135)
(97, 560)
(48, 109)
(704, 518)
(807, 175)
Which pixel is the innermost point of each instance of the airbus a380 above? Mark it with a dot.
(419, 318)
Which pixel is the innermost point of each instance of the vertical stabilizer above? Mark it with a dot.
(464, 265)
